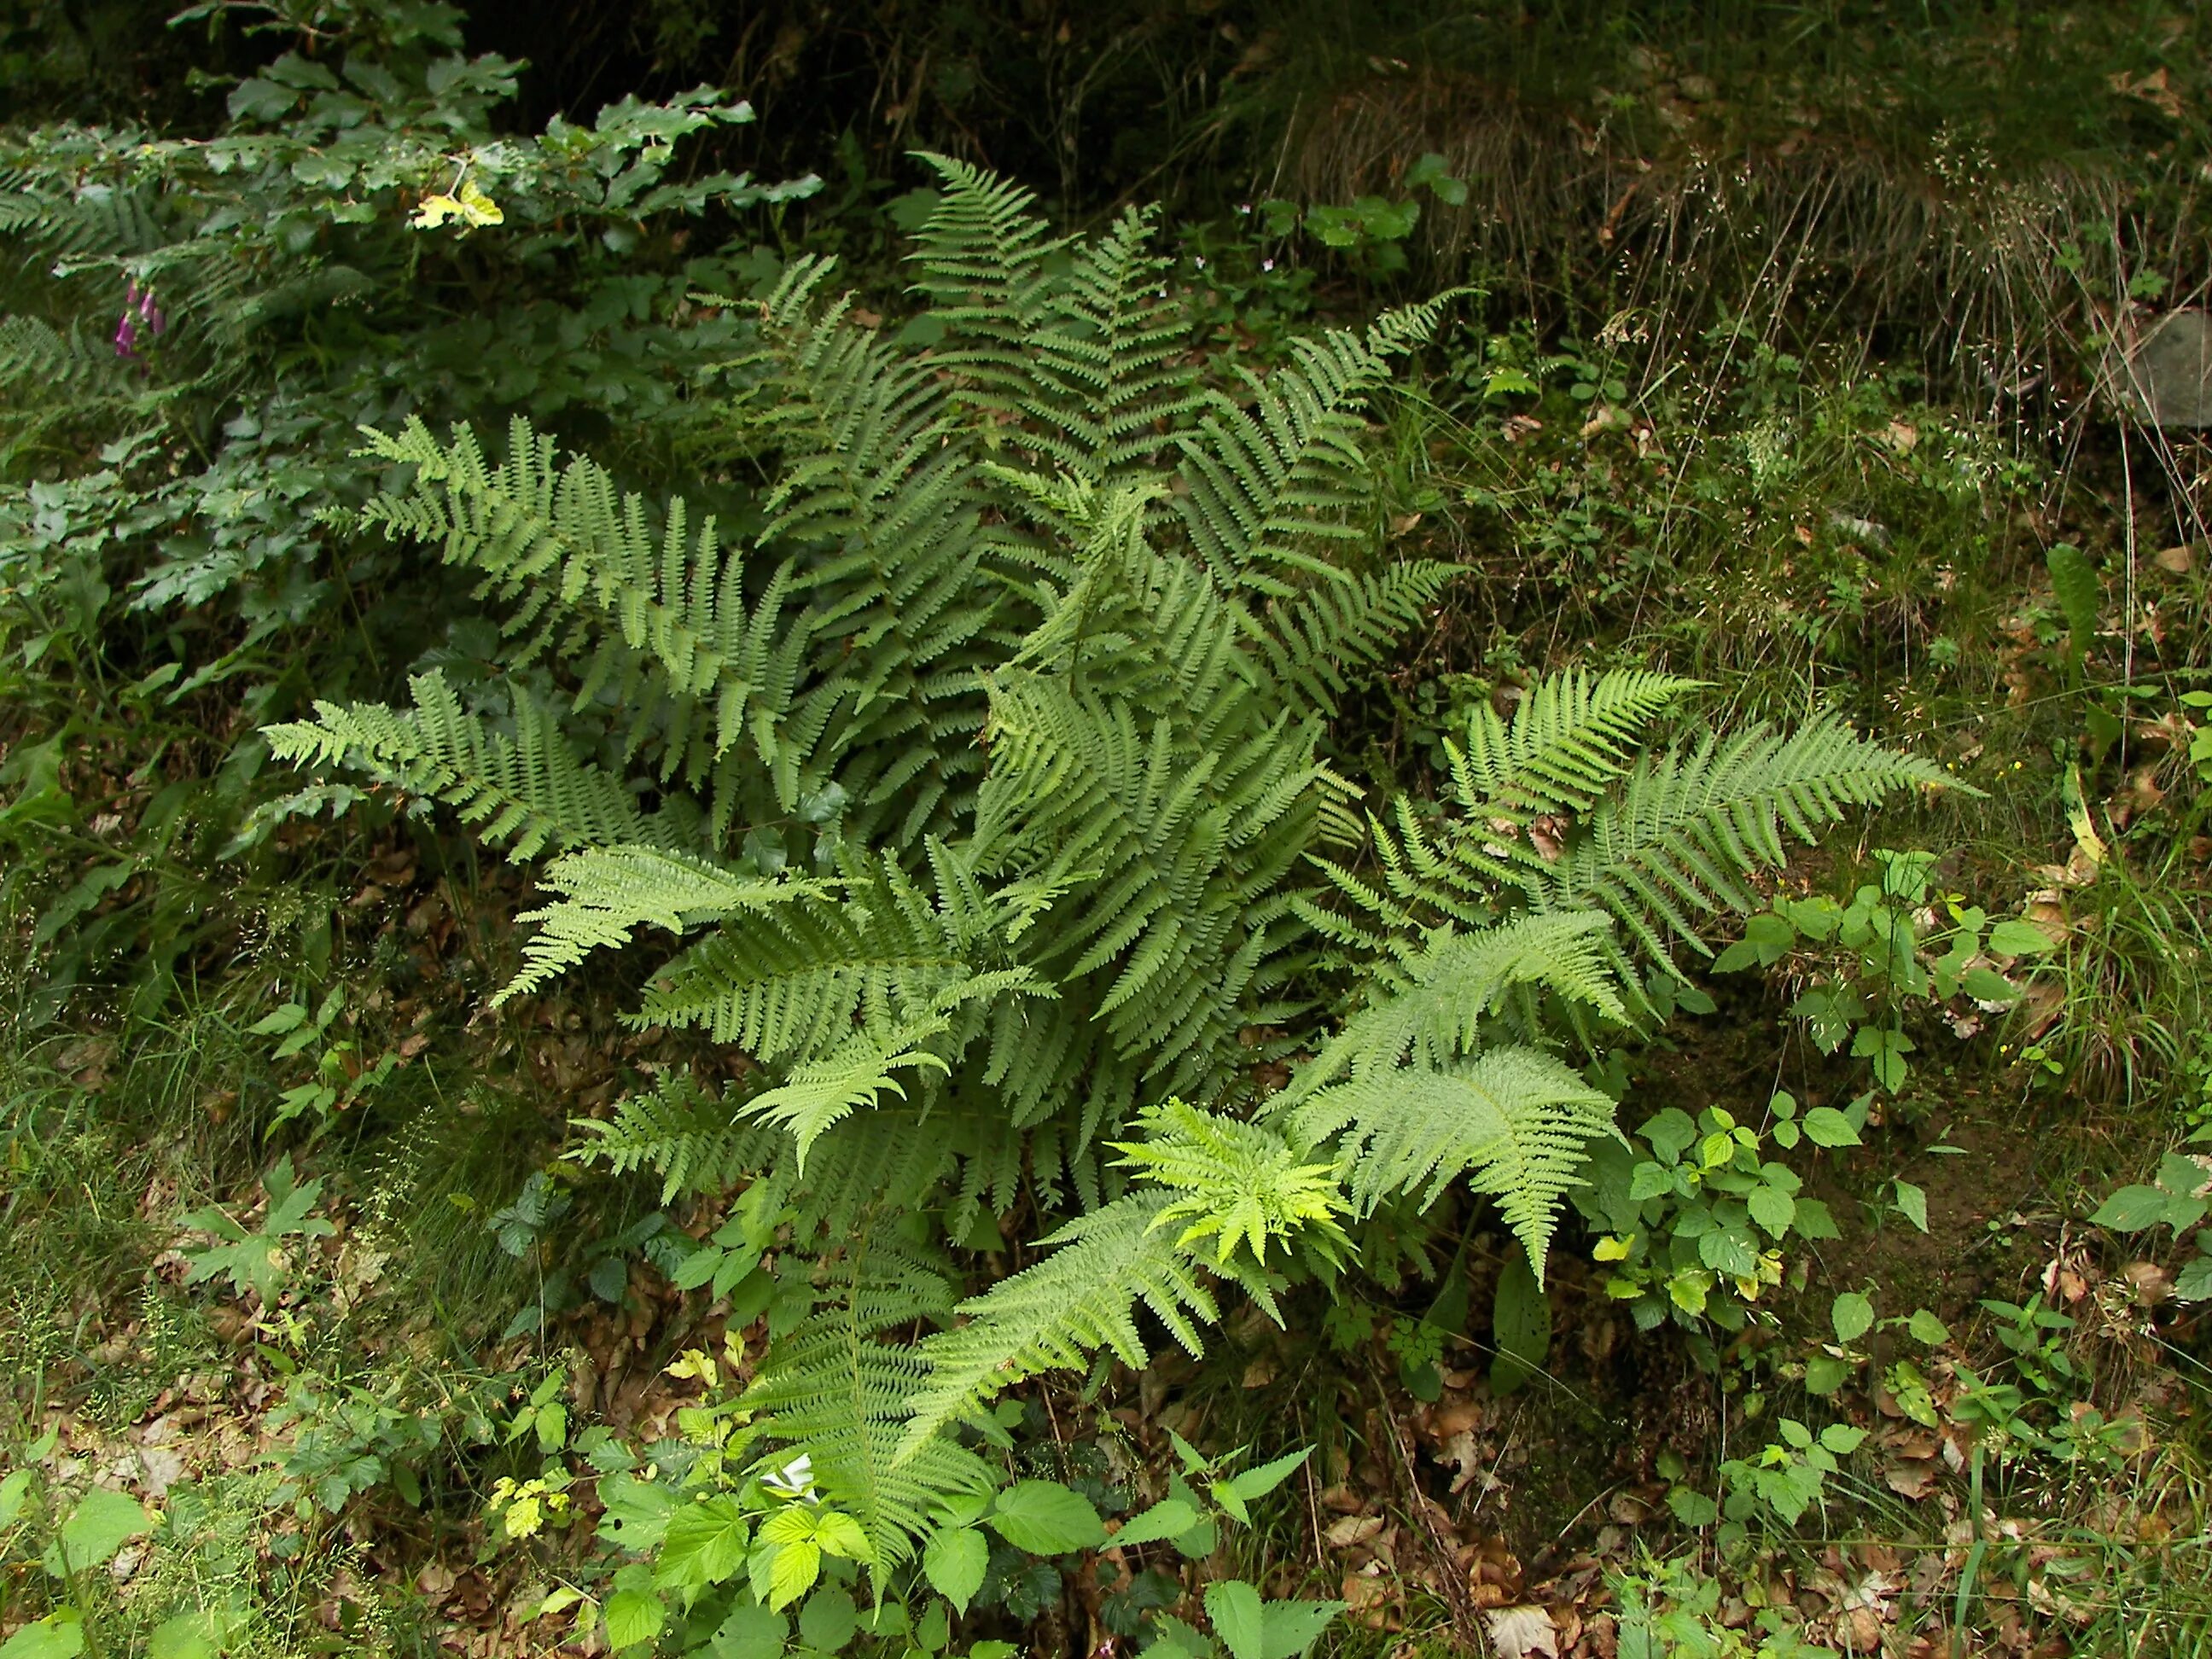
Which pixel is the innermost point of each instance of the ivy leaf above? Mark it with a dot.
(1045, 1518)
(955, 1561)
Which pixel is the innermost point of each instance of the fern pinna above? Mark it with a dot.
(978, 779)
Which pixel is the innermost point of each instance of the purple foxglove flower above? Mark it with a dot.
(127, 337)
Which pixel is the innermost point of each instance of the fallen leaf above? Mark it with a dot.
(1516, 1632)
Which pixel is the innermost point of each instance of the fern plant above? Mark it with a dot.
(974, 784)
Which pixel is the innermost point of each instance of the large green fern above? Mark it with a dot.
(1024, 657)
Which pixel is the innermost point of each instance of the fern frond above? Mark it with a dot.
(859, 1071)
(1271, 477)
(523, 788)
(1688, 827)
(1515, 1120)
(1080, 1298)
(1315, 638)
(834, 1390)
(1110, 378)
(690, 1136)
(1237, 1183)
(606, 893)
(1570, 737)
(1430, 1009)
(981, 257)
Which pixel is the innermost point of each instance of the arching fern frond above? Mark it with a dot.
(1080, 1298)
(1271, 477)
(1514, 1120)
(1687, 826)
(1430, 1009)
(523, 788)
(1571, 735)
(981, 257)
(838, 1392)
(606, 893)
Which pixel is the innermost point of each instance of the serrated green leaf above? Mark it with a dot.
(1045, 1518)
(1239, 1618)
(1852, 1316)
(954, 1563)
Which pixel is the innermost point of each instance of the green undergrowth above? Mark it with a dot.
(1041, 956)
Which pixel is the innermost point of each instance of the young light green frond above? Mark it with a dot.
(1079, 1298)
(1677, 841)
(1239, 1183)
(1571, 737)
(1430, 1009)
(836, 1391)
(608, 892)
(1515, 1120)
(859, 1071)
(525, 787)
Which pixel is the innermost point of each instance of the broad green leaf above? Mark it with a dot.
(1771, 1209)
(57, 1636)
(1842, 1438)
(752, 1631)
(2131, 1209)
(1045, 1518)
(634, 1616)
(1239, 1619)
(1928, 1329)
(1168, 1518)
(791, 1572)
(102, 1522)
(1852, 1315)
(1520, 1326)
(189, 1636)
(1260, 1481)
(1826, 1127)
(1912, 1204)
(2015, 938)
(704, 1545)
(840, 1535)
(1289, 1628)
(954, 1564)
(828, 1620)
(14, 1490)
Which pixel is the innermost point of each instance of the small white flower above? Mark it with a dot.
(795, 1479)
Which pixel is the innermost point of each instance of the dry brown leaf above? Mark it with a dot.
(1516, 1632)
